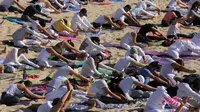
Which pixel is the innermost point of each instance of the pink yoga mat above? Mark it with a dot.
(69, 38)
(104, 3)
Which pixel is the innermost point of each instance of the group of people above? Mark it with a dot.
(134, 75)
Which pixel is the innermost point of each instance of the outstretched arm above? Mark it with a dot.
(19, 5)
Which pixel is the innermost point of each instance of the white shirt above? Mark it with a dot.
(46, 107)
(127, 84)
(83, 21)
(123, 63)
(127, 39)
(56, 83)
(185, 45)
(89, 68)
(172, 3)
(173, 29)
(58, 93)
(7, 3)
(35, 25)
(62, 71)
(137, 56)
(12, 58)
(119, 14)
(158, 100)
(184, 89)
(101, 20)
(167, 70)
(196, 39)
(44, 56)
(98, 87)
(13, 90)
(89, 46)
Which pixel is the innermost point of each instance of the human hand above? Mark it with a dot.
(192, 71)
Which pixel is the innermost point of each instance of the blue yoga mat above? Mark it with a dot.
(74, 9)
(13, 19)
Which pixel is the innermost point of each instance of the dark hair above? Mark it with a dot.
(28, 83)
(195, 5)
(38, 8)
(42, 23)
(196, 84)
(55, 101)
(84, 11)
(95, 40)
(33, 1)
(172, 91)
(100, 59)
(128, 7)
(65, 21)
(155, 65)
(24, 49)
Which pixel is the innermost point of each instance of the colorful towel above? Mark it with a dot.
(33, 76)
(14, 19)
(104, 3)
(108, 44)
(104, 71)
(40, 88)
(117, 0)
(69, 38)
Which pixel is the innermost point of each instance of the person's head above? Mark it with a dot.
(98, 58)
(168, 42)
(172, 91)
(127, 8)
(133, 50)
(180, 62)
(23, 50)
(154, 65)
(38, 8)
(83, 12)
(67, 23)
(58, 47)
(42, 23)
(28, 84)
(195, 6)
(55, 101)
(95, 40)
(196, 85)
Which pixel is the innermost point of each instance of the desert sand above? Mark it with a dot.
(7, 29)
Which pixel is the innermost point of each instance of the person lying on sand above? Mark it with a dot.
(11, 95)
(58, 104)
(141, 9)
(170, 69)
(21, 35)
(8, 6)
(150, 72)
(80, 22)
(122, 13)
(159, 99)
(106, 22)
(11, 61)
(62, 27)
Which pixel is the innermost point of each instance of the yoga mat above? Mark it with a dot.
(117, 0)
(152, 52)
(135, 27)
(13, 19)
(24, 102)
(94, 33)
(32, 71)
(69, 38)
(158, 43)
(108, 44)
(1, 60)
(74, 9)
(104, 3)
(6, 76)
(104, 71)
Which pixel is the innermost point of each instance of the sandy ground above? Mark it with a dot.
(7, 29)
